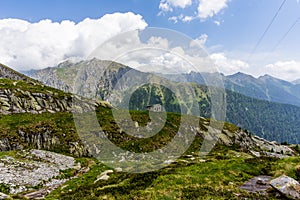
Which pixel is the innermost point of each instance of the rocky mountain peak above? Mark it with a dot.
(239, 76)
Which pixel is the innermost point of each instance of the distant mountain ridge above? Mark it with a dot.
(264, 87)
(273, 121)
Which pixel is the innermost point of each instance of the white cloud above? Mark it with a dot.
(165, 7)
(209, 8)
(25, 45)
(174, 19)
(182, 18)
(287, 70)
(187, 18)
(201, 40)
(227, 65)
(158, 42)
(218, 23)
(157, 53)
(168, 5)
(204, 10)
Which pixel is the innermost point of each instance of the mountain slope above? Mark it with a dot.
(33, 115)
(273, 121)
(64, 77)
(270, 120)
(8, 73)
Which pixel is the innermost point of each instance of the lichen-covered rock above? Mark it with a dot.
(287, 186)
(19, 101)
(247, 142)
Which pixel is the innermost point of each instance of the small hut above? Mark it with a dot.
(155, 108)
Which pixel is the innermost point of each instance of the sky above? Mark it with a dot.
(256, 37)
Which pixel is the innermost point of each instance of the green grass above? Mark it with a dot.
(33, 87)
(214, 179)
(4, 188)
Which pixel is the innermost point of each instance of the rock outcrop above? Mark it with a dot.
(252, 144)
(20, 101)
(287, 186)
(16, 100)
(17, 97)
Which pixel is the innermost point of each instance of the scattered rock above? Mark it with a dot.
(168, 161)
(4, 196)
(63, 162)
(84, 170)
(287, 186)
(118, 169)
(40, 194)
(33, 168)
(257, 185)
(103, 176)
(255, 153)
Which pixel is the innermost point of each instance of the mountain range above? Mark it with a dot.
(270, 120)
(264, 87)
(34, 116)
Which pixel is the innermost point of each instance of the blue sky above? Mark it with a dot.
(231, 29)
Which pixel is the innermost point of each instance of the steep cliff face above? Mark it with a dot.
(33, 115)
(36, 116)
(78, 77)
(23, 97)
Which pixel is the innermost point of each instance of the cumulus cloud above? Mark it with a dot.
(205, 9)
(26, 45)
(162, 51)
(287, 70)
(209, 8)
(227, 65)
(200, 40)
(160, 54)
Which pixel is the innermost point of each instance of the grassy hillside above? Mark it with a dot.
(272, 121)
(218, 177)
(190, 177)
